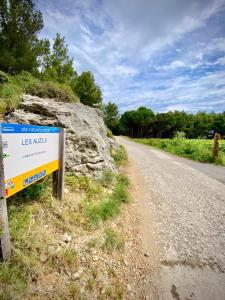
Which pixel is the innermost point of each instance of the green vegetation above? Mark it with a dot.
(144, 123)
(197, 149)
(12, 90)
(99, 210)
(111, 116)
(113, 240)
(38, 223)
(120, 156)
(37, 66)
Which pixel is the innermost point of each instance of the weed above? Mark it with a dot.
(115, 291)
(120, 156)
(74, 292)
(113, 240)
(92, 243)
(101, 211)
(107, 178)
(123, 179)
(90, 284)
(120, 193)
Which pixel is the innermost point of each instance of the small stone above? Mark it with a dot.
(76, 276)
(129, 287)
(67, 238)
(66, 191)
(95, 258)
(125, 263)
(146, 254)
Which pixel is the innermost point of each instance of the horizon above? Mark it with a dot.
(165, 56)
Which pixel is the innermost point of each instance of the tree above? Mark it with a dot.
(111, 116)
(57, 65)
(137, 123)
(20, 22)
(87, 90)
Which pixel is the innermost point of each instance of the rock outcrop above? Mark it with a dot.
(87, 144)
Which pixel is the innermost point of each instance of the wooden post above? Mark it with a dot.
(58, 176)
(216, 146)
(5, 248)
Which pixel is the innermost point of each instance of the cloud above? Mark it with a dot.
(146, 52)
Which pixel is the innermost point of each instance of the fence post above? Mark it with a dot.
(58, 176)
(5, 248)
(216, 146)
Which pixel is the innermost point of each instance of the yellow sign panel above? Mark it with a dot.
(20, 182)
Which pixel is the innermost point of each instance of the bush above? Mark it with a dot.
(10, 95)
(180, 135)
(109, 133)
(3, 77)
(49, 89)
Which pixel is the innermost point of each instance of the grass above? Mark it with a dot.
(13, 87)
(37, 224)
(120, 156)
(109, 206)
(113, 240)
(196, 149)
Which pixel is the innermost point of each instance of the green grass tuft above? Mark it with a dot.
(102, 211)
(120, 156)
(113, 240)
(107, 178)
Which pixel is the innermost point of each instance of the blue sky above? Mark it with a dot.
(164, 54)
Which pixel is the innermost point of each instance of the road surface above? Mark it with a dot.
(182, 207)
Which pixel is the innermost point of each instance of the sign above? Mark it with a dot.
(29, 154)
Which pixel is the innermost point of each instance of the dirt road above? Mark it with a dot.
(182, 212)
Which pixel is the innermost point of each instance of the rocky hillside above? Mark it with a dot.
(87, 144)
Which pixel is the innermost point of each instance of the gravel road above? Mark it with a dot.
(187, 210)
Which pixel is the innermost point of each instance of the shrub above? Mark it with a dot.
(3, 77)
(109, 133)
(49, 89)
(180, 135)
(10, 95)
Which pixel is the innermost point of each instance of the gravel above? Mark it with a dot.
(188, 209)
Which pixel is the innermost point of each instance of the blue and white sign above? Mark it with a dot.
(30, 152)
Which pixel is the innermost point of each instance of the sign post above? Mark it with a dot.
(58, 176)
(5, 248)
(28, 153)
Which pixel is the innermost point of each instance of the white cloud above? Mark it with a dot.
(125, 43)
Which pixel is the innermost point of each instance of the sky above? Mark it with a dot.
(166, 54)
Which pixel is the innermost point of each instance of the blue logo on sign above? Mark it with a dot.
(34, 178)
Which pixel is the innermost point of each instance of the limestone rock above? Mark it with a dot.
(87, 144)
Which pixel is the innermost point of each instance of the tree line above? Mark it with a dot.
(21, 49)
(144, 123)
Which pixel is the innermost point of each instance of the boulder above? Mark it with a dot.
(87, 144)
